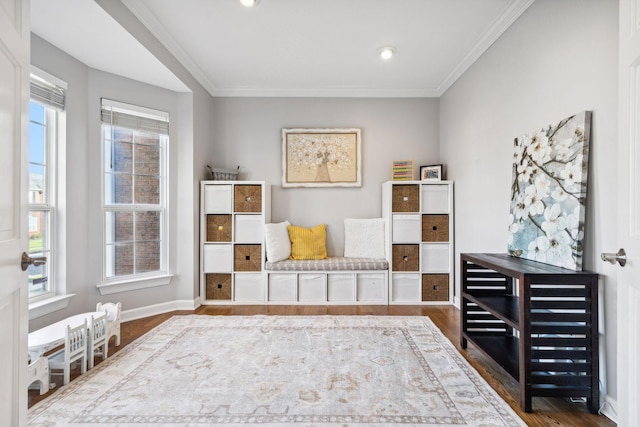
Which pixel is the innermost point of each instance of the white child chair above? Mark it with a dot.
(38, 371)
(113, 319)
(75, 350)
(97, 338)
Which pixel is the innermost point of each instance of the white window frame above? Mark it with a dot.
(56, 298)
(49, 204)
(115, 284)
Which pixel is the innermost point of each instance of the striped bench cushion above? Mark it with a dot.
(328, 264)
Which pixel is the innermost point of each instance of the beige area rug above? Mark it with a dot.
(281, 370)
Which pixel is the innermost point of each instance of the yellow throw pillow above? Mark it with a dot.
(308, 243)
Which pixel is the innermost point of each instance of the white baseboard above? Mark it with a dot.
(165, 307)
(610, 409)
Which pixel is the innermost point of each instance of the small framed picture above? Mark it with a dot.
(431, 173)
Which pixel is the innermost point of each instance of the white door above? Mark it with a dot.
(14, 97)
(629, 214)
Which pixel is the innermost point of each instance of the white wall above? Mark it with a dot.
(559, 58)
(247, 132)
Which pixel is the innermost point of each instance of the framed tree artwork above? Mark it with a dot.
(321, 158)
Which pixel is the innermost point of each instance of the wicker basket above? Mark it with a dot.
(247, 258)
(247, 198)
(218, 286)
(435, 228)
(219, 174)
(405, 198)
(219, 228)
(435, 287)
(405, 257)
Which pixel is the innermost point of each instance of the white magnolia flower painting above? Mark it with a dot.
(548, 193)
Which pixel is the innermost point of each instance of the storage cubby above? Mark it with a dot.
(537, 321)
(319, 287)
(435, 287)
(419, 217)
(405, 258)
(232, 219)
(218, 286)
(218, 228)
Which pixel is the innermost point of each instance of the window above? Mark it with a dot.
(134, 142)
(45, 111)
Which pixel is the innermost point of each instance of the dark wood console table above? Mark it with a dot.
(542, 329)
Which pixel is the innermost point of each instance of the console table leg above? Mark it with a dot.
(592, 404)
(525, 402)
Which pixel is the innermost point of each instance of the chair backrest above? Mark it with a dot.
(75, 342)
(98, 335)
(98, 330)
(113, 310)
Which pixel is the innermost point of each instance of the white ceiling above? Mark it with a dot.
(287, 47)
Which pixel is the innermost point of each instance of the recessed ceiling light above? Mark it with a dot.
(387, 52)
(249, 3)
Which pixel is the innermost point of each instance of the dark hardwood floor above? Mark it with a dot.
(546, 411)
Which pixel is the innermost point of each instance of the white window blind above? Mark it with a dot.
(118, 114)
(47, 93)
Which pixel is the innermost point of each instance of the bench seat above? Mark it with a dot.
(334, 280)
(329, 264)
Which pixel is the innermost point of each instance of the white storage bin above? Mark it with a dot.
(217, 198)
(406, 288)
(341, 287)
(249, 228)
(312, 287)
(435, 199)
(435, 257)
(217, 258)
(248, 288)
(371, 287)
(407, 228)
(282, 287)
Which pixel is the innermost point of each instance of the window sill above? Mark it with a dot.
(116, 286)
(48, 305)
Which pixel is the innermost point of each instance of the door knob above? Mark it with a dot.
(35, 261)
(620, 257)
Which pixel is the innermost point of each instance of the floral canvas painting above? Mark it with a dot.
(321, 158)
(548, 193)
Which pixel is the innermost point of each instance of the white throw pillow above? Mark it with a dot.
(277, 241)
(364, 238)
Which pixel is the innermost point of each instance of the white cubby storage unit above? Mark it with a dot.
(232, 253)
(364, 287)
(419, 216)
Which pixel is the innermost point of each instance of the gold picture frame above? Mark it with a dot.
(321, 157)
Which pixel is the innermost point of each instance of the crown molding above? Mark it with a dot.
(497, 28)
(325, 93)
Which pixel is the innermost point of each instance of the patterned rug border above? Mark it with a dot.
(509, 417)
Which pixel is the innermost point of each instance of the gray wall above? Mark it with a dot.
(194, 150)
(247, 132)
(558, 59)
(80, 199)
